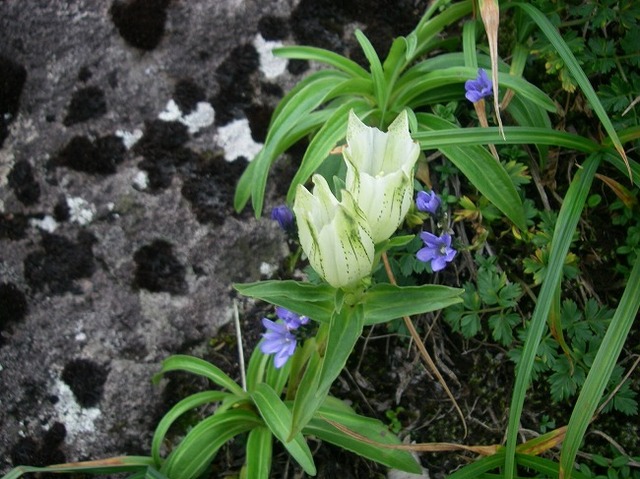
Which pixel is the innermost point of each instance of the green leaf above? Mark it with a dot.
(385, 302)
(259, 453)
(324, 56)
(476, 468)
(483, 171)
(379, 84)
(152, 473)
(568, 217)
(454, 77)
(502, 327)
(371, 429)
(469, 44)
(342, 333)
(515, 136)
(324, 141)
(278, 418)
(312, 300)
(196, 451)
(200, 367)
(178, 410)
(256, 369)
(602, 368)
(297, 107)
(554, 37)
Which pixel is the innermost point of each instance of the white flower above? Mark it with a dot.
(334, 234)
(380, 172)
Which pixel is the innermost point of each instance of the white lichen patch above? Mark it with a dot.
(203, 116)
(129, 138)
(267, 269)
(48, 223)
(235, 138)
(76, 419)
(271, 65)
(141, 180)
(80, 211)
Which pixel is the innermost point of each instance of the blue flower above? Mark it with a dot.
(437, 250)
(284, 216)
(479, 88)
(291, 319)
(278, 340)
(429, 202)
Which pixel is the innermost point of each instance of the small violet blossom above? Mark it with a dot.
(291, 319)
(284, 216)
(437, 250)
(479, 88)
(428, 202)
(278, 339)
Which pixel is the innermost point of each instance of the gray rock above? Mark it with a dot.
(104, 273)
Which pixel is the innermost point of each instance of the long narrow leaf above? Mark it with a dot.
(304, 102)
(196, 451)
(516, 135)
(601, 370)
(371, 429)
(377, 73)
(323, 56)
(258, 453)
(475, 469)
(187, 404)
(486, 174)
(554, 37)
(278, 418)
(565, 227)
(408, 92)
(200, 367)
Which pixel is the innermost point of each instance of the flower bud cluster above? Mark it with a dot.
(339, 235)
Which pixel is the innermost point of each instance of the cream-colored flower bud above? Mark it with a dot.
(380, 172)
(334, 234)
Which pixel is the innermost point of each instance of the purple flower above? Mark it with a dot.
(479, 88)
(437, 250)
(284, 216)
(429, 202)
(278, 340)
(291, 319)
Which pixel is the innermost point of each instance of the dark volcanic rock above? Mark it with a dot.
(158, 269)
(140, 22)
(59, 263)
(23, 183)
(100, 157)
(86, 380)
(86, 104)
(11, 84)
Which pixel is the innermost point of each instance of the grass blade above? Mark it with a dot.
(565, 227)
(554, 37)
(178, 410)
(200, 367)
(601, 370)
